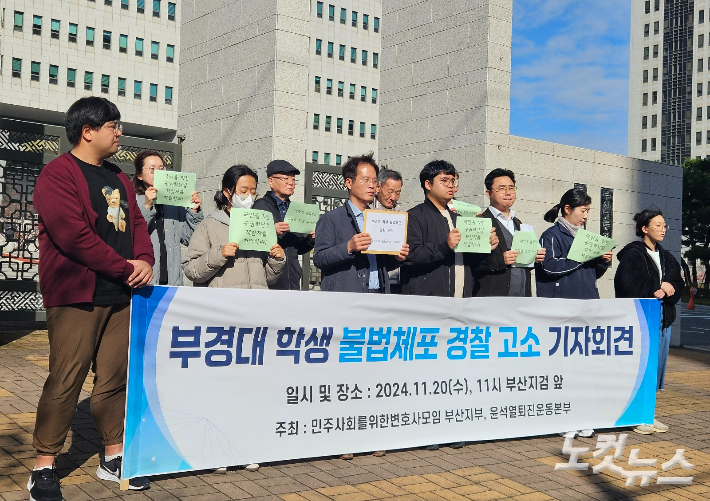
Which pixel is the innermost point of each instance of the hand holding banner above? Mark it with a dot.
(302, 218)
(527, 245)
(174, 188)
(388, 230)
(475, 234)
(252, 229)
(466, 210)
(587, 246)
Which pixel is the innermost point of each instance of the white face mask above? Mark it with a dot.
(242, 201)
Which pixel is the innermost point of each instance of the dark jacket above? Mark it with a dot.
(294, 244)
(429, 268)
(637, 277)
(492, 274)
(71, 251)
(342, 271)
(558, 276)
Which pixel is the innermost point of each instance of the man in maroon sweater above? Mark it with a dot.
(94, 248)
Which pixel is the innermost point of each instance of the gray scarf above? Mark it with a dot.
(568, 226)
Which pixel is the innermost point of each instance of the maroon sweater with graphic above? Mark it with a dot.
(71, 253)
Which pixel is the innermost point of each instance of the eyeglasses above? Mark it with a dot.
(117, 127)
(661, 227)
(153, 169)
(504, 189)
(367, 181)
(448, 182)
(285, 179)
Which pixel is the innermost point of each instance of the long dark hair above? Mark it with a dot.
(644, 217)
(229, 181)
(574, 198)
(138, 162)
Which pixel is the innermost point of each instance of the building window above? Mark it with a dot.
(341, 53)
(53, 74)
(89, 37)
(123, 43)
(707, 138)
(36, 25)
(153, 93)
(653, 144)
(338, 160)
(88, 80)
(656, 26)
(330, 49)
(645, 98)
(701, 40)
(71, 77)
(108, 2)
(645, 76)
(34, 71)
(139, 47)
(16, 67)
(351, 127)
(105, 79)
(655, 74)
(137, 89)
(656, 5)
(55, 28)
(654, 121)
(365, 21)
(363, 93)
(375, 59)
(700, 65)
(107, 40)
(340, 88)
(339, 126)
(648, 7)
(353, 54)
(319, 10)
(156, 8)
(73, 29)
(699, 114)
(140, 6)
(645, 53)
(654, 97)
(655, 51)
(314, 157)
(343, 13)
(698, 138)
(124, 4)
(644, 122)
(376, 27)
(354, 19)
(317, 84)
(352, 91)
(373, 131)
(19, 21)
(374, 96)
(362, 129)
(171, 11)
(170, 53)
(701, 16)
(643, 146)
(326, 158)
(331, 12)
(154, 49)
(121, 86)
(700, 89)
(327, 123)
(316, 121)
(319, 43)
(329, 86)
(646, 30)
(364, 58)
(168, 95)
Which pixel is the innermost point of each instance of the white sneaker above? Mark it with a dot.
(252, 467)
(659, 427)
(586, 433)
(569, 434)
(645, 429)
(221, 470)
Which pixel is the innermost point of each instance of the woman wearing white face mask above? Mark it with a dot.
(213, 261)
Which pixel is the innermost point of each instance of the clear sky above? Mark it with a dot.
(570, 80)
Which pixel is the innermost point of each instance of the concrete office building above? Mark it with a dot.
(669, 86)
(54, 52)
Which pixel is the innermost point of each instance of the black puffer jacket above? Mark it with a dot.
(637, 277)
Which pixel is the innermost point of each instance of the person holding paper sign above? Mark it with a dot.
(168, 225)
(496, 276)
(433, 268)
(389, 189)
(557, 276)
(213, 261)
(648, 270)
(282, 181)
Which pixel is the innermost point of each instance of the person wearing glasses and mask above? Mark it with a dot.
(282, 181)
(168, 225)
(212, 260)
(496, 275)
(648, 270)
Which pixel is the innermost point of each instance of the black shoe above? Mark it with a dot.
(111, 471)
(434, 447)
(44, 485)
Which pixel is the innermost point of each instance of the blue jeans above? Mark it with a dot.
(664, 342)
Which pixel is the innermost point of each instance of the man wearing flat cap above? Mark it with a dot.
(282, 181)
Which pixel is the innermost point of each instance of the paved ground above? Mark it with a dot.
(522, 469)
(696, 326)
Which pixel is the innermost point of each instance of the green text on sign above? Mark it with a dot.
(588, 245)
(475, 234)
(252, 229)
(174, 188)
(302, 218)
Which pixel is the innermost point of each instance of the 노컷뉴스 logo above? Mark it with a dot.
(605, 443)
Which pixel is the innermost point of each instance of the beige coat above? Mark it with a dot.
(205, 265)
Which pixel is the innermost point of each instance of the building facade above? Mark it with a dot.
(54, 52)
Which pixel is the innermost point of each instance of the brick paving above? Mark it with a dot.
(521, 469)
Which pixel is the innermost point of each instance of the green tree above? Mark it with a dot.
(696, 214)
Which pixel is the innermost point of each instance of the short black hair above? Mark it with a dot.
(229, 181)
(350, 167)
(386, 174)
(644, 217)
(92, 111)
(492, 175)
(433, 169)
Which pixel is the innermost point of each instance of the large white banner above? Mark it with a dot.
(221, 377)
